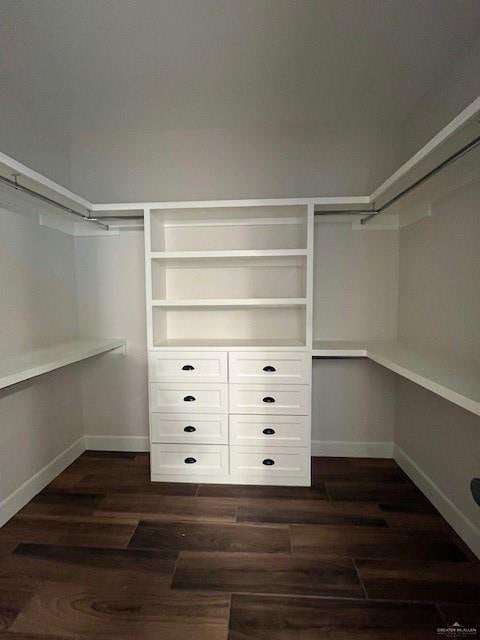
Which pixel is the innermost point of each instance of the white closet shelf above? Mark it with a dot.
(454, 379)
(338, 349)
(36, 362)
(233, 302)
(247, 253)
(231, 344)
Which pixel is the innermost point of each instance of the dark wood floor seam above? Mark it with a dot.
(360, 578)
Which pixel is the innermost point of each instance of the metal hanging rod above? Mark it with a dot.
(18, 187)
(369, 213)
(138, 216)
(343, 212)
(450, 160)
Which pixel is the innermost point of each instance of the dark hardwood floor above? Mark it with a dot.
(104, 553)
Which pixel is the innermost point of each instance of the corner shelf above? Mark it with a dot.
(454, 379)
(238, 253)
(36, 362)
(233, 302)
(338, 349)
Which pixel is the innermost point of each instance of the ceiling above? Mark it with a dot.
(229, 63)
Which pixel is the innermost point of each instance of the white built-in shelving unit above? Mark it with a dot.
(232, 274)
(229, 324)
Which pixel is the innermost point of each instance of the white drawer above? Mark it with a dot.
(178, 366)
(194, 397)
(270, 462)
(270, 399)
(180, 428)
(261, 366)
(193, 460)
(274, 431)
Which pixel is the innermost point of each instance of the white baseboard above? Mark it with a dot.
(117, 443)
(465, 528)
(19, 498)
(341, 448)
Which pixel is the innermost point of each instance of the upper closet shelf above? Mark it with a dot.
(454, 379)
(457, 135)
(36, 362)
(233, 302)
(247, 253)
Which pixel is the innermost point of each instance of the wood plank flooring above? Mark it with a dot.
(103, 553)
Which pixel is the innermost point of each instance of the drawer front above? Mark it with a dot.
(192, 460)
(265, 462)
(181, 397)
(177, 366)
(180, 428)
(263, 398)
(292, 431)
(263, 366)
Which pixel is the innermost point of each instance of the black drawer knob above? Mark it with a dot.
(268, 462)
(268, 399)
(269, 368)
(268, 431)
(190, 460)
(189, 399)
(189, 429)
(188, 367)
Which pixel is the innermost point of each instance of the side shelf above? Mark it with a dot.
(453, 379)
(29, 364)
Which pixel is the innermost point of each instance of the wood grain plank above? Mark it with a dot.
(75, 531)
(309, 512)
(210, 537)
(284, 618)
(119, 455)
(136, 483)
(377, 492)
(75, 610)
(168, 508)
(266, 573)
(426, 508)
(64, 482)
(425, 582)
(32, 564)
(262, 492)
(374, 542)
(416, 521)
(357, 470)
(11, 635)
(12, 600)
(60, 503)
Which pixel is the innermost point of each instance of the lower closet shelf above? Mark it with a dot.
(36, 362)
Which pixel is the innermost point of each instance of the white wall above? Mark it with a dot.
(443, 441)
(110, 274)
(439, 291)
(439, 309)
(355, 298)
(353, 408)
(117, 164)
(33, 135)
(42, 417)
(455, 86)
(355, 283)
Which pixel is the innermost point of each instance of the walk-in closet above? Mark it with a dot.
(239, 319)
